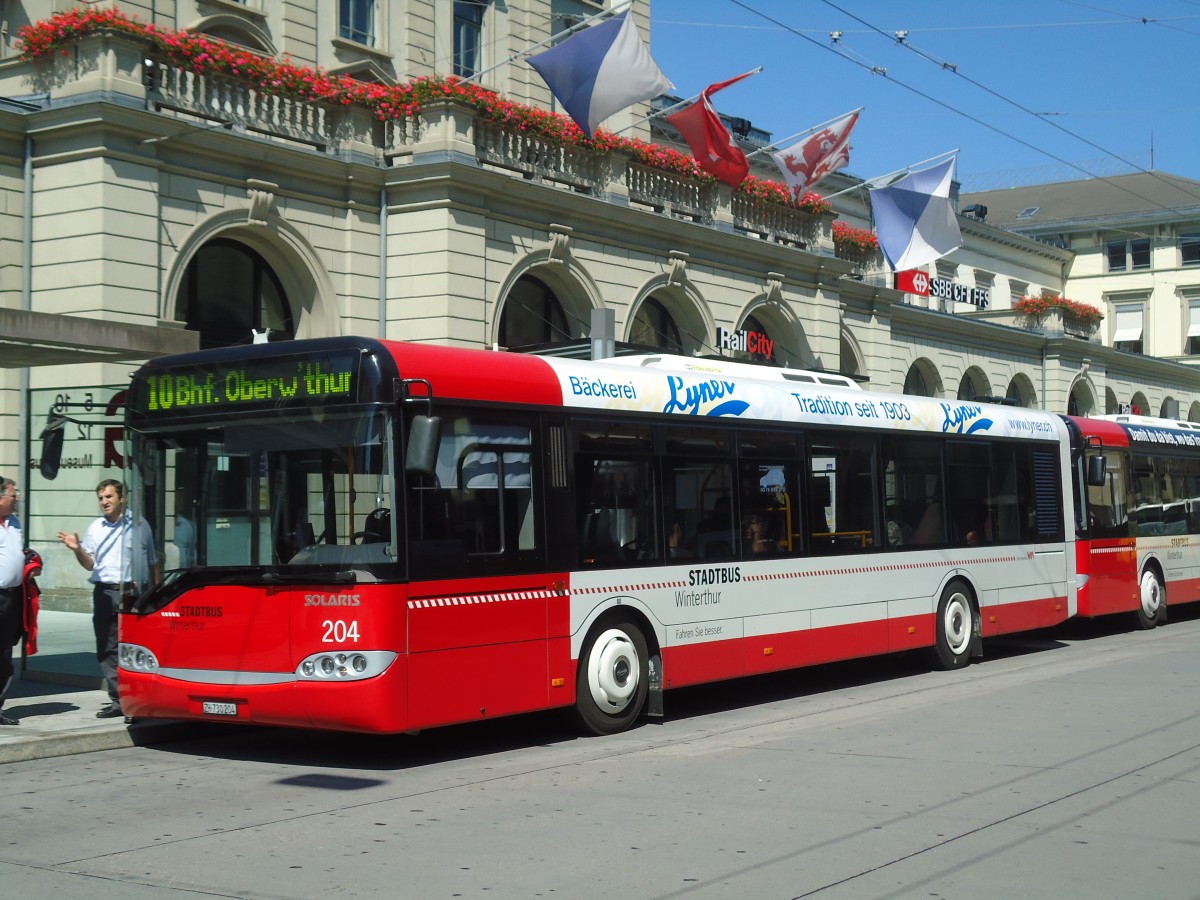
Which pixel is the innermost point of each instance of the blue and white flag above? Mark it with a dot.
(914, 220)
(600, 71)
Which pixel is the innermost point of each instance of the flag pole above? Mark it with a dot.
(674, 106)
(903, 171)
(800, 134)
(578, 26)
(661, 112)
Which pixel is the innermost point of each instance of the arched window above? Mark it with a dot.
(967, 389)
(228, 291)
(915, 383)
(237, 31)
(851, 359)
(653, 326)
(1080, 401)
(532, 314)
(236, 37)
(1021, 390)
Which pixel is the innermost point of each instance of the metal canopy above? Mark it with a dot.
(44, 339)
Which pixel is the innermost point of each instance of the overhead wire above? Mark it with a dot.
(954, 69)
(882, 70)
(1133, 17)
(1016, 26)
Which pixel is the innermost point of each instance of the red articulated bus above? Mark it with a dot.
(1139, 515)
(384, 537)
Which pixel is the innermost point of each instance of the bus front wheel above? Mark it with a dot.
(955, 627)
(611, 685)
(1152, 601)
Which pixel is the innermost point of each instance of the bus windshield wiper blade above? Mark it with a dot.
(345, 576)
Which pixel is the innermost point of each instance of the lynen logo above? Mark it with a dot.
(690, 399)
(964, 419)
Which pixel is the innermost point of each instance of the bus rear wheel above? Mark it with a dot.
(955, 627)
(611, 685)
(1152, 601)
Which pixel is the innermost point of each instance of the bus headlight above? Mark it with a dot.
(135, 658)
(344, 665)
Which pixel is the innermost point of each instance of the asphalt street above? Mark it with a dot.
(1065, 764)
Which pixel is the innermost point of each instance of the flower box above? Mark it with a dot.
(1049, 312)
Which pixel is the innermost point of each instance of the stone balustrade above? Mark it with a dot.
(123, 69)
(239, 104)
(1053, 323)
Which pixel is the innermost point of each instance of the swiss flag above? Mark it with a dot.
(712, 145)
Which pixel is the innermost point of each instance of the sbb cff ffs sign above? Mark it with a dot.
(913, 281)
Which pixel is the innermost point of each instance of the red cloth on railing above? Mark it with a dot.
(33, 566)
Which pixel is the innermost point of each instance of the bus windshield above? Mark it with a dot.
(293, 490)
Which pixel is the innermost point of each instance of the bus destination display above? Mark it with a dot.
(285, 381)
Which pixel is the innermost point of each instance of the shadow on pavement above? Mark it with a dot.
(33, 710)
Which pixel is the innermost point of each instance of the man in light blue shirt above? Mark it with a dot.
(119, 552)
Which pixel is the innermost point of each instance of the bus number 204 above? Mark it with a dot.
(338, 632)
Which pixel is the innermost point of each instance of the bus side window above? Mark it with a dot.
(616, 512)
(1192, 492)
(913, 505)
(699, 501)
(476, 513)
(842, 494)
(770, 517)
(616, 494)
(969, 479)
(1107, 503)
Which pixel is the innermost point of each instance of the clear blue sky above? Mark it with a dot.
(1095, 81)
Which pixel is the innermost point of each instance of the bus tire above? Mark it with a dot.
(955, 627)
(1152, 600)
(613, 677)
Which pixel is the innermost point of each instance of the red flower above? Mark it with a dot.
(855, 238)
(1072, 311)
(204, 55)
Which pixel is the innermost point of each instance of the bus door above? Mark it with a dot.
(482, 607)
(1111, 555)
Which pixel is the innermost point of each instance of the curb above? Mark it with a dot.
(70, 743)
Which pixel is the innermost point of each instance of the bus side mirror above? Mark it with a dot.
(424, 435)
(1097, 468)
(52, 444)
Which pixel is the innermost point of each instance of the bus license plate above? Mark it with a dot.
(213, 708)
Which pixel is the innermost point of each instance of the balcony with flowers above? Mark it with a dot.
(1051, 314)
(194, 76)
(859, 246)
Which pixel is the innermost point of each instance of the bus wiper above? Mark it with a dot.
(345, 576)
